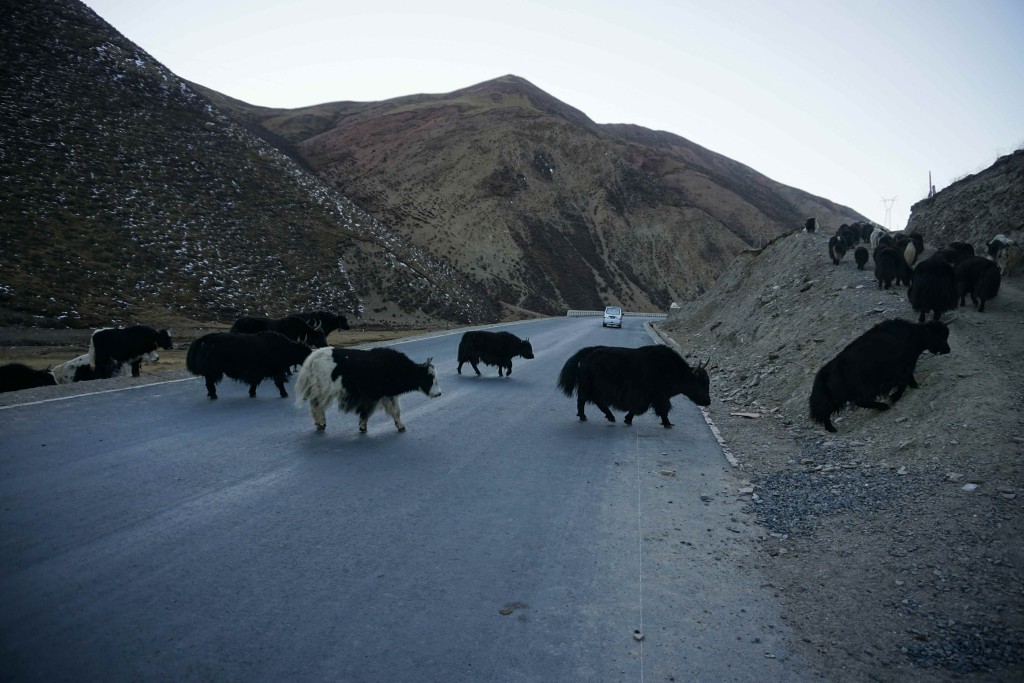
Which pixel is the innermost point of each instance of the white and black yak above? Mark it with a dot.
(879, 362)
(978, 277)
(291, 326)
(1006, 252)
(248, 358)
(492, 348)
(633, 380)
(17, 376)
(110, 348)
(933, 288)
(836, 249)
(360, 382)
(78, 369)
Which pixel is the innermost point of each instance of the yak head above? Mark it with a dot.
(526, 349)
(428, 381)
(937, 337)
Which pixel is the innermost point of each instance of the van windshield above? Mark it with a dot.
(613, 311)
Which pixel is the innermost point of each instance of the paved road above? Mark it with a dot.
(153, 535)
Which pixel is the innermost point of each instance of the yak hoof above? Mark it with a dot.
(212, 397)
(321, 428)
(583, 418)
(402, 428)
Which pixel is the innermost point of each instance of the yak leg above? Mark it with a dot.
(135, 367)
(508, 369)
(211, 385)
(607, 413)
(501, 369)
(661, 408)
(921, 318)
(252, 388)
(828, 424)
(364, 416)
(459, 369)
(475, 368)
(319, 418)
(912, 383)
(579, 409)
(279, 383)
(898, 394)
(391, 407)
(981, 306)
(873, 404)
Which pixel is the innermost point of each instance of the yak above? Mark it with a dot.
(933, 288)
(248, 358)
(325, 321)
(17, 376)
(492, 348)
(880, 361)
(887, 264)
(360, 382)
(978, 277)
(291, 326)
(836, 249)
(633, 380)
(110, 348)
(860, 255)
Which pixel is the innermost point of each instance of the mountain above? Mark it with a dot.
(128, 196)
(976, 207)
(131, 195)
(525, 194)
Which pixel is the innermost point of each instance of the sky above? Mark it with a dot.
(852, 100)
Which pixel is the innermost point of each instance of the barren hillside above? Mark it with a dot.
(128, 196)
(896, 543)
(532, 199)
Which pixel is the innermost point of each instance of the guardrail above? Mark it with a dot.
(571, 313)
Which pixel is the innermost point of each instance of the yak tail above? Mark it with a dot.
(196, 357)
(568, 378)
(988, 283)
(821, 404)
(313, 383)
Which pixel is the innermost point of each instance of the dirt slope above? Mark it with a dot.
(891, 570)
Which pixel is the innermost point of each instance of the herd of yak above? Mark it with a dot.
(881, 362)
(878, 364)
(363, 381)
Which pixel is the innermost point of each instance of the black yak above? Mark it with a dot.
(291, 326)
(633, 380)
(492, 348)
(887, 263)
(325, 321)
(110, 348)
(933, 288)
(811, 224)
(17, 376)
(248, 358)
(360, 382)
(860, 255)
(978, 277)
(880, 361)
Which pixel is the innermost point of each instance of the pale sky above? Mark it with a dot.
(852, 100)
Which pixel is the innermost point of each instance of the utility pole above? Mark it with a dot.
(888, 210)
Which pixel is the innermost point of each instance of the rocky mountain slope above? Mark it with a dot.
(896, 542)
(543, 207)
(128, 196)
(976, 207)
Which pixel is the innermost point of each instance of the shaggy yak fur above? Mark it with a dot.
(492, 348)
(633, 380)
(248, 358)
(880, 361)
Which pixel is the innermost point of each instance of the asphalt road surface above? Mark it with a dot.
(152, 534)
